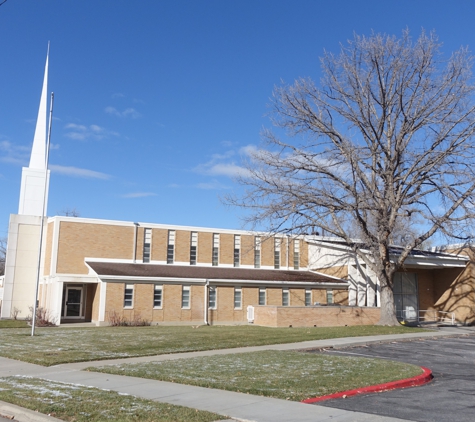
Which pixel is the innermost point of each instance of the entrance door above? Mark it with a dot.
(406, 296)
(73, 302)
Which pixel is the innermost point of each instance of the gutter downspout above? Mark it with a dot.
(288, 250)
(135, 242)
(206, 303)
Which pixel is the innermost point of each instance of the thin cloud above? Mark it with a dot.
(118, 95)
(78, 172)
(128, 112)
(138, 194)
(222, 165)
(83, 133)
(213, 185)
(14, 154)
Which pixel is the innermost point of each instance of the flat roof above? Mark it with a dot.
(114, 269)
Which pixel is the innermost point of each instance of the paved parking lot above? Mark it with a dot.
(449, 397)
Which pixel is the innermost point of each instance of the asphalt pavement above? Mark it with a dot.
(450, 396)
(246, 407)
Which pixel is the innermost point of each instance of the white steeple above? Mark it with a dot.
(38, 152)
(33, 184)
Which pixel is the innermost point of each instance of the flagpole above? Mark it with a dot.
(38, 271)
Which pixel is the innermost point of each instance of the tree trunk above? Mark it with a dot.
(388, 308)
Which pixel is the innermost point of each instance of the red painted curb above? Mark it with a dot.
(424, 378)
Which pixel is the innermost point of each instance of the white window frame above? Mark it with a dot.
(238, 293)
(330, 297)
(285, 297)
(257, 252)
(185, 292)
(129, 289)
(171, 247)
(213, 290)
(147, 245)
(237, 250)
(215, 250)
(158, 288)
(264, 292)
(296, 254)
(277, 242)
(308, 295)
(193, 248)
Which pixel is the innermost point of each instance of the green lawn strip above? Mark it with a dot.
(287, 375)
(51, 346)
(76, 403)
(13, 323)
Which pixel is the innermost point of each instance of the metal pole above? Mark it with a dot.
(35, 305)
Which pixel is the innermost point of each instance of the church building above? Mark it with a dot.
(105, 271)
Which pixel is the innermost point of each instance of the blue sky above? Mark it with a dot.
(157, 101)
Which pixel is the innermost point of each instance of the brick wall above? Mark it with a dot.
(205, 247)
(159, 245)
(309, 316)
(182, 245)
(267, 251)
(247, 250)
(79, 240)
(336, 271)
(171, 311)
(226, 248)
(140, 241)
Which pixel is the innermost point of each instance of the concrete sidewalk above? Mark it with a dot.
(234, 405)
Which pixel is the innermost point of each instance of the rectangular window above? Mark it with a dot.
(185, 296)
(171, 247)
(277, 242)
(129, 296)
(193, 246)
(237, 298)
(285, 297)
(147, 242)
(262, 296)
(215, 249)
(308, 298)
(257, 252)
(212, 298)
(237, 250)
(157, 296)
(296, 254)
(329, 296)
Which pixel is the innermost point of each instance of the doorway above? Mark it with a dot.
(73, 302)
(406, 296)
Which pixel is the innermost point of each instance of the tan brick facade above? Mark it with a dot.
(226, 249)
(205, 247)
(78, 241)
(182, 246)
(315, 316)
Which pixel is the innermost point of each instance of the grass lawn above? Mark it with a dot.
(12, 323)
(82, 404)
(51, 346)
(284, 375)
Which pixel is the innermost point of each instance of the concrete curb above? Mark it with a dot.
(424, 378)
(17, 413)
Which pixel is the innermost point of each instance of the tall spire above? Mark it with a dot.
(35, 177)
(38, 152)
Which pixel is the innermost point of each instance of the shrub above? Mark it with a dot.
(43, 317)
(117, 320)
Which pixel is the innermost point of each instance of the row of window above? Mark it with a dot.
(212, 297)
(215, 251)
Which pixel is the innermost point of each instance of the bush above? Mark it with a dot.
(117, 320)
(43, 317)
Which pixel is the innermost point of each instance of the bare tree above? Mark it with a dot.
(70, 212)
(385, 140)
